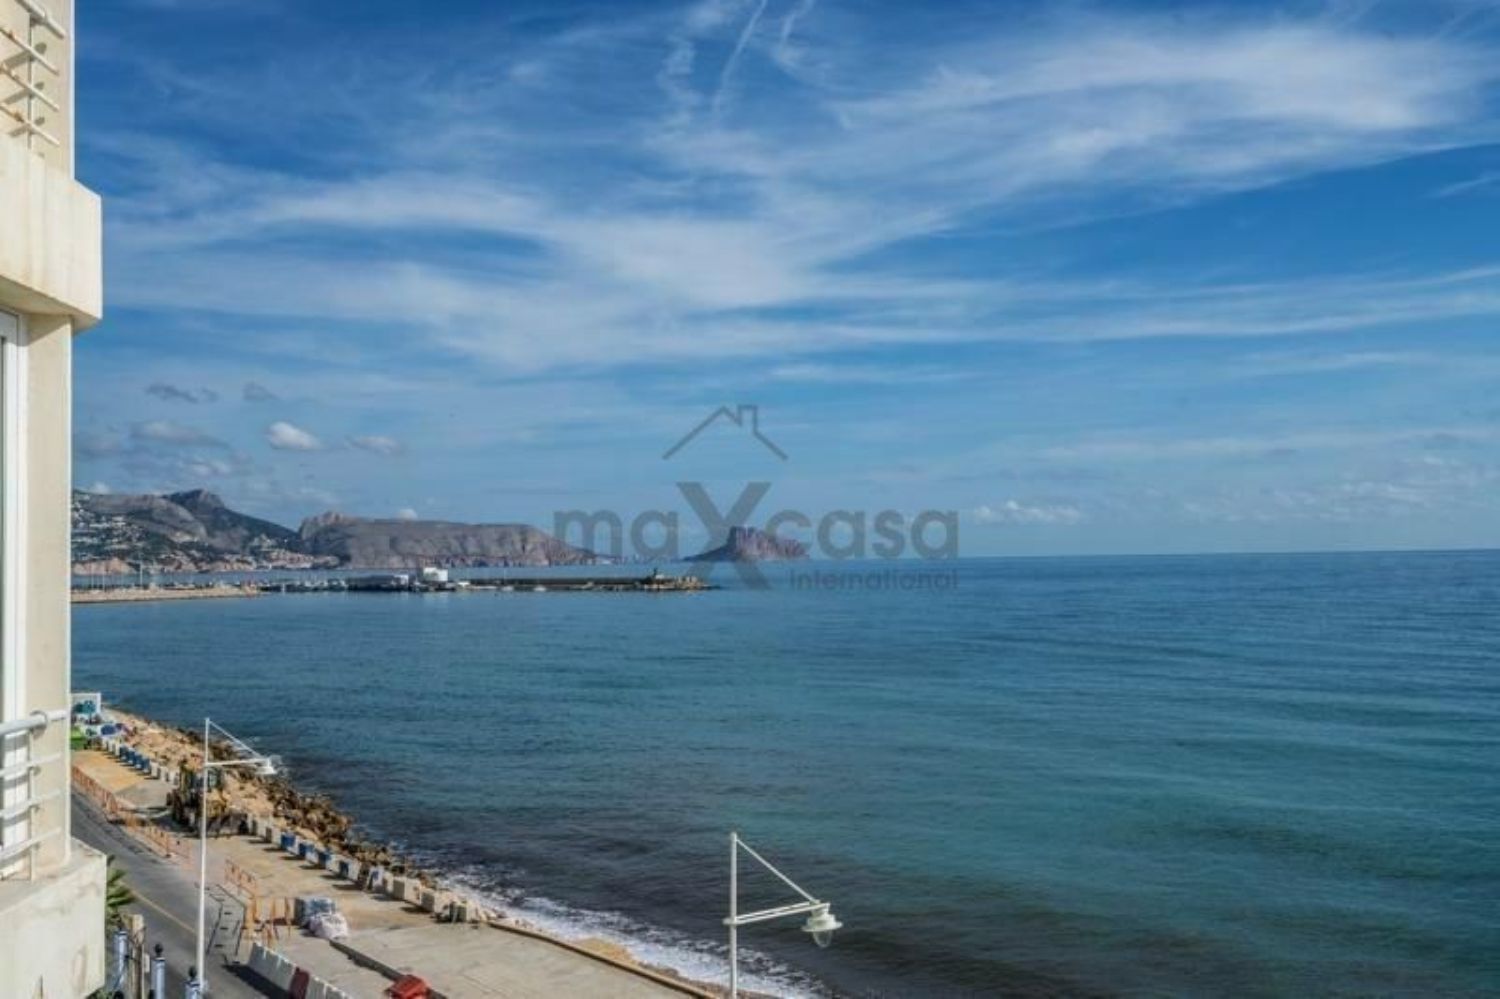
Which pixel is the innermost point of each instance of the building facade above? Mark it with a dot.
(51, 887)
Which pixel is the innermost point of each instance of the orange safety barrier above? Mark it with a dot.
(265, 917)
(241, 878)
(125, 815)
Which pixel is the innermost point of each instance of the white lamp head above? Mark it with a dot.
(821, 924)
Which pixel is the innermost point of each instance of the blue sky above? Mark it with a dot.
(1100, 278)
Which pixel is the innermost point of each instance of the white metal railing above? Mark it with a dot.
(27, 729)
(37, 17)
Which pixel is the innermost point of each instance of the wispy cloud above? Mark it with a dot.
(726, 75)
(1012, 511)
(376, 444)
(1487, 181)
(176, 393)
(783, 205)
(1084, 249)
(176, 434)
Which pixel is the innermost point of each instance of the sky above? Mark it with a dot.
(1096, 278)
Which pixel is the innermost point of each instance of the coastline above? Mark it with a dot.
(408, 901)
(129, 595)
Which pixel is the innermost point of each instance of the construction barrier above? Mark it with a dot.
(271, 966)
(124, 814)
(289, 979)
(241, 879)
(265, 919)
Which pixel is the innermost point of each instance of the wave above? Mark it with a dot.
(654, 946)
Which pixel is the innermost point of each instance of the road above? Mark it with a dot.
(167, 897)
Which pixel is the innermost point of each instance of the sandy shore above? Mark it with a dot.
(126, 594)
(400, 928)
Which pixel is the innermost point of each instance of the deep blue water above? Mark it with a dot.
(1273, 775)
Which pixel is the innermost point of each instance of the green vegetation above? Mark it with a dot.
(117, 895)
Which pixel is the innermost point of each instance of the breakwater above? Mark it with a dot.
(392, 582)
(144, 594)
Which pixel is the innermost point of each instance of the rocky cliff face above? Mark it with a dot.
(407, 544)
(194, 531)
(751, 544)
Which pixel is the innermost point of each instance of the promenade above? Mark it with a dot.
(255, 882)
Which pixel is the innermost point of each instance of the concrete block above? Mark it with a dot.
(271, 966)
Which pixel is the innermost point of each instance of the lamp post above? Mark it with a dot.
(820, 921)
(264, 765)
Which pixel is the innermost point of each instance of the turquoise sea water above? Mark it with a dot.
(1272, 775)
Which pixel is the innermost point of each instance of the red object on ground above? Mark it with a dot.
(408, 987)
(300, 980)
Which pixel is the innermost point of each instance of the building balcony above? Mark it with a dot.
(51, 240)
(52, 889)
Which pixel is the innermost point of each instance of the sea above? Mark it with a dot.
(1273, 775)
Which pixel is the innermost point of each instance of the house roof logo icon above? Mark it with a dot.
(744, 415)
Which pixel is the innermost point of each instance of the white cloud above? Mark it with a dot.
(376, 444)
(1015, 512)
(285, 436)
(206, 468)
(168, 432)
(406, 513)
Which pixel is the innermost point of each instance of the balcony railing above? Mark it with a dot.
(26, 69)
(18, 814)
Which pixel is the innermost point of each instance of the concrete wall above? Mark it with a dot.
(56, 86)
(46, 546)
(52, 931)
(50, 225)
(50, 238)
(51, 275)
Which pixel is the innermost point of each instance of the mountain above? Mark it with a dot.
(194, 531)
(751, 544)
(190, 531)
(408, 544)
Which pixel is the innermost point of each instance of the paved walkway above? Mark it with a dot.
(167, 898)
(476, 961)
(463, 961)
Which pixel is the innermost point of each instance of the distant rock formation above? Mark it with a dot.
(194, 531)
(189, 531)
(362, 543)
(751, 544)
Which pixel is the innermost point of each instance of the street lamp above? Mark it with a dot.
(265, 766)
(820, 922)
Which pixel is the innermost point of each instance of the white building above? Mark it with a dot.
(51, 888)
